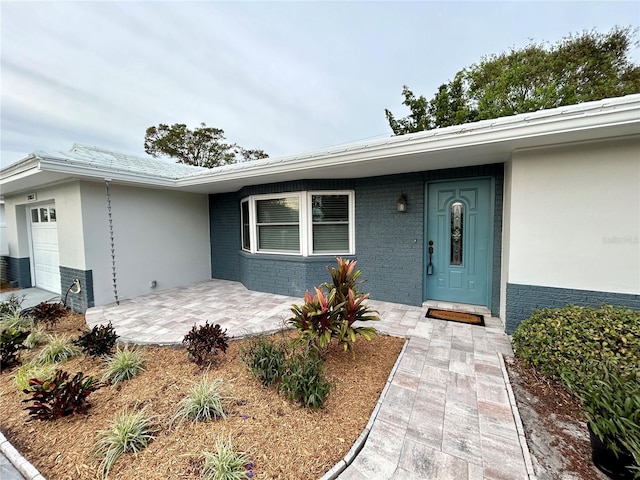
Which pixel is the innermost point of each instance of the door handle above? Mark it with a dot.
(430, 265)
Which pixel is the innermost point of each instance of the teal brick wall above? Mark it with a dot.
(18, 270)
(78, 302)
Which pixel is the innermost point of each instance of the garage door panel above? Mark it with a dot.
(45, 253)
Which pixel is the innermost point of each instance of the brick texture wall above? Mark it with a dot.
(17, 270)
(81, 301)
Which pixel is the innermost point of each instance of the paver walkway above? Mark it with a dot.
(446, 414)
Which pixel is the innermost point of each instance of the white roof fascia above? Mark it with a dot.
(559, 123)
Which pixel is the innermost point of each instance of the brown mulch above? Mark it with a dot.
(555, 428)
(284, 440)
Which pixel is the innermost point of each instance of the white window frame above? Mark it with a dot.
(305, 222)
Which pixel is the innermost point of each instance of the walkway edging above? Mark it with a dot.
(519, 427)
(26, 469)
(339, 467)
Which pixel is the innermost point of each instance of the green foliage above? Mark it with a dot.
(11, 305)
(16, 320)
(204, 402)
(203, 342)
(33, 370)
(304, 380)
(37, 336)
(610, 397)
(266, 359)
(579, 68)
(125, 364)
(204, 146)
(58, 349)
(557, 340)
(226, 463)
(99, 341)
(332, 311)
(58, 396)
(47, 313)
(128, 433)
(11, 342)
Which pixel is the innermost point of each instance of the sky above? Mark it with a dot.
(284, 77)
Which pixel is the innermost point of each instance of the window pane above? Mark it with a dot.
(330, 208)
(246, 244)
(34, 215)
(278, 210)
(285, 238)
(457, 220)
(330, 238)
(44, 214)
(52, 214)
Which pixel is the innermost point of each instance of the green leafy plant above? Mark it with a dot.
(37, 336)
(304, 380)
(333, 310)
(58, 349)
(125, 364)
(16, 320)
(554, 340)
(128, 433)
(12, 304)
(226, 463)
(47, 312)
(98, 341)
(610, 398)
(58, 396)
(203, 342)
(265, 358)
(11, 342)
(33, 370)
(204, 402)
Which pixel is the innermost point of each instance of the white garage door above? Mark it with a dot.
(44, 238)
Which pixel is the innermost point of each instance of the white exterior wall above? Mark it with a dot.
(573, 217)
(158, 235)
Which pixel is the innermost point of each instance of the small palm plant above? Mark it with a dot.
(204, 402)
(125, 364)
(129, 432)
(58, 349)
(226, 463)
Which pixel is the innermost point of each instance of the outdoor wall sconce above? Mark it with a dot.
(401, 204)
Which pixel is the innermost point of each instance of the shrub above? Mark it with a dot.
(32, 370)
(12, 304)
(203, 342)
(37, 336)
(98, 341)
(554, 340)
(125, 364)
(304, 381)
(57, 397)
(265, 358)
(129, 432)
(16, 320)
(58, 349)
(47, 313)
(204, 402)
(11, 340)
(334, 308)
(226, 463)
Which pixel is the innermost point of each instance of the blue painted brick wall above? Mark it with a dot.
(224, 226)
(78, 302)
(522, 299)
(17, 270)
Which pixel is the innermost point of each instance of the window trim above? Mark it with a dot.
(305, 222)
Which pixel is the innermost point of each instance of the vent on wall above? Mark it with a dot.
(31, 197)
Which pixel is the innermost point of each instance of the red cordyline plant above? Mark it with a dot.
(334, 308)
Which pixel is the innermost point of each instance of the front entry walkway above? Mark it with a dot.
(447, 412)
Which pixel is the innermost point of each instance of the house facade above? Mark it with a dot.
(517, 213)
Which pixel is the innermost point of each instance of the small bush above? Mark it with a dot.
(204, 402)
(125, 364)
(304, 381)
(47, 313)
(58, 397)
(98, 341)
(37, 336)
(203, 342)
(16, 320)
(32, 370)
(554, 340)
(266, 359)
(128, 433)
(11, 340)
(58, 349)
(226, 463)
(12, 304)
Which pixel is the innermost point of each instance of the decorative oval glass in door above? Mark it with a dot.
(457, 231)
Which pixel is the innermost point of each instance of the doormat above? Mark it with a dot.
(461, 317)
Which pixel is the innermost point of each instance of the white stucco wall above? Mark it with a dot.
(66, 197)
(159, 235)
(573, 219)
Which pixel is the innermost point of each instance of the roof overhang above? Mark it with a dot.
(485, 142)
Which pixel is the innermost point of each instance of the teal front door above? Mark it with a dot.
(458, 235)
